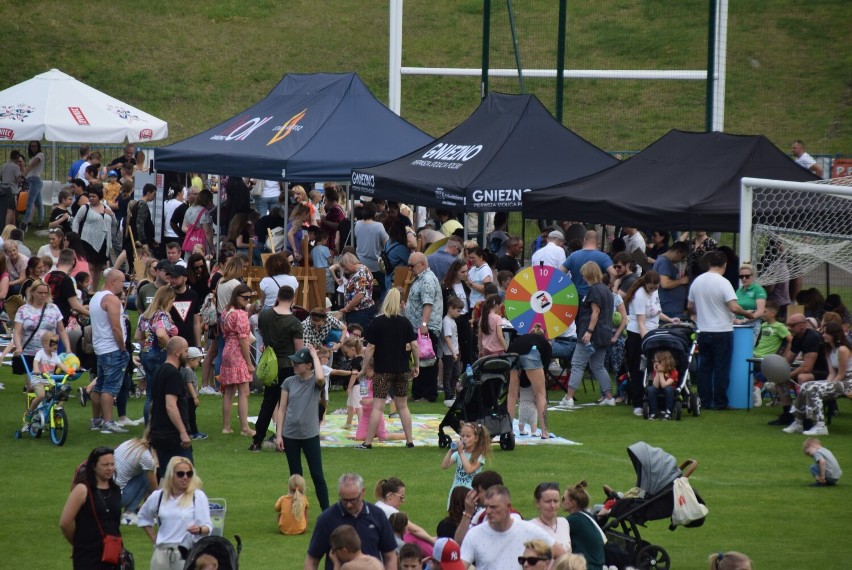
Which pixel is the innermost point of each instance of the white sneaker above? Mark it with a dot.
(112, 427)
(795, 427)
(607, 402)
(637, 411)
(567, 403)
(96, 424)
(449, 403)
(818, 429)
(129, 519)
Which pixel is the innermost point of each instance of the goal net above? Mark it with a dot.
(791, 228)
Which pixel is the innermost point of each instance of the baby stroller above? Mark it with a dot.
(482, 399)
(680, 341)
(218, 547)
(652, 499)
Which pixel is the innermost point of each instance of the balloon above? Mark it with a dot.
(776, 368)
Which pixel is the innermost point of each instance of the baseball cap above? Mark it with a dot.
(194, 353)
(177, 270)
(556, 234)
(447, 552)
(112, 173)
(164, 265)
(302, 355)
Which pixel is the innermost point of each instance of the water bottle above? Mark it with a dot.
(362, 386)
(454, 446)
(468, 371)
(590, 348)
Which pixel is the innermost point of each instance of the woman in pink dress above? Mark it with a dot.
(237, 366)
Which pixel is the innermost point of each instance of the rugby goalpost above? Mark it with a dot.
(788, 229)
(715, 74)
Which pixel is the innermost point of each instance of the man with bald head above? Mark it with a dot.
(424, 309)
(106, 313)
(169, 411)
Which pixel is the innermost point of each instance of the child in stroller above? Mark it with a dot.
(678, 341)
(213, 553)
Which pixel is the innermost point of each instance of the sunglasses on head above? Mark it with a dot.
(182, 474)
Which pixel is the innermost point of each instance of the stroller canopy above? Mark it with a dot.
(655, 469)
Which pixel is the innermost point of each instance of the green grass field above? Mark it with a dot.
(196, 63)
(753, 477)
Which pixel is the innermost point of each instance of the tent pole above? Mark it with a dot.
(53, 161)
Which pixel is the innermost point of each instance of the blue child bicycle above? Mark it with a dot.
(50, 414)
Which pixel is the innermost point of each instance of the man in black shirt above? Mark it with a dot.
(185, 311)
(169, 412)
(62, 290)
(124, 159)
(808, 343)
(509, 262)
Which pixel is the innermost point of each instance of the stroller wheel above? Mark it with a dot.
(694, 405)
(507, 441)
(678, 410)
(443, 440)
(653, 557)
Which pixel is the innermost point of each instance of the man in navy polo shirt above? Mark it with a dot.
(369, 522)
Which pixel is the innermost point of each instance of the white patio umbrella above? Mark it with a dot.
(58, 108)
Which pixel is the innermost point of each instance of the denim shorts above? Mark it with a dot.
(529, 361)
(111, 368)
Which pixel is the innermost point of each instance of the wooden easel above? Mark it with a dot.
(138, 266)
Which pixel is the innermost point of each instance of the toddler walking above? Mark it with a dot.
(293, 507)
(187, 372)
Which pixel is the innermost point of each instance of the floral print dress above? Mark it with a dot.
(235, 326)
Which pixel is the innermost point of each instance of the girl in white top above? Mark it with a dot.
(547, 501)
(643, 301)
(183, 512)
(479, 274)
(278, 269)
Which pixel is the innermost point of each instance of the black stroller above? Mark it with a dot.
(680, 340)
(653, 500)
(482, 399)
(219, 548)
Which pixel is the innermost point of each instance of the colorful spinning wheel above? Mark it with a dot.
(542, 296)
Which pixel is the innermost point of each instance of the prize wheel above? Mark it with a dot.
(543, 296)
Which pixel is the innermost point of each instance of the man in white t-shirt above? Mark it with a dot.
(805, 160)
(552, 254)
(711, 300)
(497, 544)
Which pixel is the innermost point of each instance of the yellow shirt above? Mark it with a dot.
(111, 190)
(287, 523)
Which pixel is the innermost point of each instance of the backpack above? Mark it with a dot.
(267, 367)
(277, 241)
(385, 263)
(209, 316)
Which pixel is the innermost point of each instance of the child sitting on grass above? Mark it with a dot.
(665, 379)
(825, 469)
(293, 507)
(46, 361)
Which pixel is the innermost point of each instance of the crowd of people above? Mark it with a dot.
(450, 314)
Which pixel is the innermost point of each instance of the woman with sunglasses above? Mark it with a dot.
(32, 320)
(237, 365)
(750, 295)
(547, 499)
(199, 275)
(537, 554)
(94, 223)
(93, 509)
(182, 511)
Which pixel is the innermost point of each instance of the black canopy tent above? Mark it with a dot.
(683, 180)
(311, 127)
(509, 146)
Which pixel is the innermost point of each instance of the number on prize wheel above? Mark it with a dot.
(543, 297)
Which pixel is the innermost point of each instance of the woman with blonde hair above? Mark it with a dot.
(570, 562)
(392, 339)
(537, 554)
(182, 511)
(595, 332)
(153, 332)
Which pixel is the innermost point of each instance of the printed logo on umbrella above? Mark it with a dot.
(17, 112)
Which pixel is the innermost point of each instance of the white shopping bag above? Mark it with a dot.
(686, 506)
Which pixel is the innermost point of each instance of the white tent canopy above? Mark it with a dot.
(56, 107)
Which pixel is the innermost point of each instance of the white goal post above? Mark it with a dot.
(788, 229)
